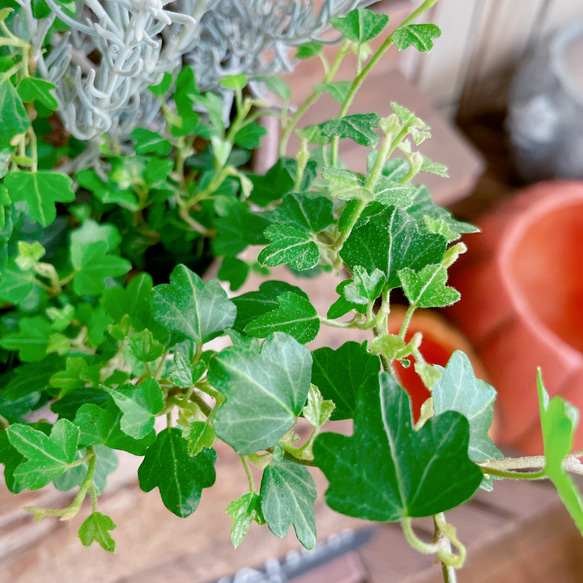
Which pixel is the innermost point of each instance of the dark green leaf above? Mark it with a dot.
(306, 211)
(40, 191)
(360, 25)
(418, 35)
(96, 528)
(190, 307)
(234, 271)
(249, 136)
(340, 375)
(342, 306)
(48, 456)
(144, 347)
(288, 494)
(134, 301)
(179, 476)
(423, 472)
(31, 340)
(148, 142)
(278, 181)
(358, 127)
(238, 229)
(294, 315)
(77, 374)
(265, 391)
(12, 113)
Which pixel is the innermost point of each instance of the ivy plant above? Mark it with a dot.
(106, 317)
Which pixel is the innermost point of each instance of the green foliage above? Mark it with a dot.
(419, 36)
(96, 528)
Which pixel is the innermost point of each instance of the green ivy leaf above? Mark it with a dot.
(427, 288)
(392, 192)
(92, 232)
(200, 311)
(161, 88)
(139, 406)
(238, 229)
(358, 127)
(317, 411)
(244, 511)
(278, 181)
(144, 347)
(294, 315)
(234, 82)
(11, 459)
(40, 191)
(249, 136)
(342, 373)
(30, 89)
(459, 390)
(360, 25)
(424, 471)
(48, 456)
(265, 391)
(389, 239)
(558, 421)
(345, 185)
(277, 86)
(77, 374)
(233, 270)
(338, 90)
(12, 113)
(342, 306)
(306, 211)
(107, 192)
(418, 35)
(309, 50)
(198, 435)
(96, 528)
(364, 287)
(31, 341)
(180, 477)
(288, 494)
(253, 305)
(94, 265)
(290, 246)
(433, 168)
(148, 142)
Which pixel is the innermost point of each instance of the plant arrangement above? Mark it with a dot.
(127, 132)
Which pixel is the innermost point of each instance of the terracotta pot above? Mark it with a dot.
(522, 304)
(440, 340)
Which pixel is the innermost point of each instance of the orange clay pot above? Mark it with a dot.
(440, 340)
(522, 304)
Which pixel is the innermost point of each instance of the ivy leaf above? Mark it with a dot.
(392, 192)
(139, 406)
(249, 136)
(309, 50)
(432, 167)
(458, 389)
(148, 142)
(295, 315)
(317, 411)
(180, 477)
(389, 239)
(288, 494)
(244, 511)
(198, 435)
(306, 211)
(134, 301)
(424, 471)
(96, 528)
(48, 456)
(31, 341)
(200, 311)
(277, 86)
(345, 185)
(238, 229)
(364, 288)
(338, 90)
(278, 181)
(11, 459)
(558, 421)
(40, 191)
(265, 391)
(94, 265)
(360, 25)
(427, 288)
(76, 375)
(340, 375)
(358, 127)
(17, 286)
(418, 35)
(233, 270)
(30, 89)
(290, 246)
(144, 347)
(342, 306)
(12, 113)
(253, 305)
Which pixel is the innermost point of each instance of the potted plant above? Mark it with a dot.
(108, 347)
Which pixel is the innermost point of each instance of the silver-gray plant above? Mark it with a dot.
(115, 49)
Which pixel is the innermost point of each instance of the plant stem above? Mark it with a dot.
(249, 474)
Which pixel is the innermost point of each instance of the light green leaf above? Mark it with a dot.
(244, 511)
(433, 168)
(392, 192)
(180, 477)
(345, 185)
(309, 50)
(12, 113)
(234, 82)
(96, 528)
(31, 341)
(144, 347)
(418, 35)
(40, 191)
(198, 436)
(360, 25)
(249, 136)
(265, 391)
(48, 456)
(77, 374)
(558, 421)
(295, 315)
(427, 288)
(139, 406)
(200, 311)
(29, 254)
(290, 246)
(288, 494)
(30, 89)
(364, 288)
(277, 86)
(148, 142)
(424, 471)
(458, 389)
(338, 90)
(317, 411)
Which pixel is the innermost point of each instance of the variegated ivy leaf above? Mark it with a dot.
(359, 128)
(290, 246)
(346, 185)
(427, 288)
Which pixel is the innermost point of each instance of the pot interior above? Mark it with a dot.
(546, 267)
